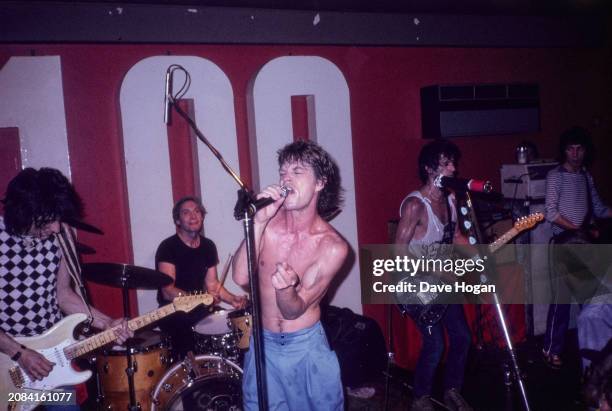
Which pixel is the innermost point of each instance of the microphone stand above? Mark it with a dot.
(483, 252)
(244, 210)
(390, 354)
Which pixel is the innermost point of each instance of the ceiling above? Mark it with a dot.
(461, 7)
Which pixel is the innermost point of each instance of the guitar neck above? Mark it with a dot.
(505, 238)
(94, 342)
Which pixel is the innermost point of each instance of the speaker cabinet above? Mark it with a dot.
(358, 343)
(479, 109)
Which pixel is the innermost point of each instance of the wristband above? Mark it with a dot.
(17, 355)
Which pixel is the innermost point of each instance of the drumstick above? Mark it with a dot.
(228, 262)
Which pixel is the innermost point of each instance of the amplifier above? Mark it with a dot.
(525, 181)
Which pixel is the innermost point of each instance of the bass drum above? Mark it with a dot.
(206, 382)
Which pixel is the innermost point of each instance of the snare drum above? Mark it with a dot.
(208, 383)
(241, 322)
(213, 336)
(151, 360)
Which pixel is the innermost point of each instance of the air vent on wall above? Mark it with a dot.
(479, 109)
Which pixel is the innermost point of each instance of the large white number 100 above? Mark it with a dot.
(146, 148)
(33, 100)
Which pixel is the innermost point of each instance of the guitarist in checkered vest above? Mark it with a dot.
(35, 283)
(428, 223)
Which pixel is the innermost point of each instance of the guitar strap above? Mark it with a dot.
(67, 240)
(428, 315)
(449, 228)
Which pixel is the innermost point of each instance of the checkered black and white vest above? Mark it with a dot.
(28, 283)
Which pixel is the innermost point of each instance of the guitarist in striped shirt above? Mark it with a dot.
(571, 203)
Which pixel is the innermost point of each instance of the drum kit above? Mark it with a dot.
(141, 375)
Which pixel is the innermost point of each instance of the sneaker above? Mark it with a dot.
(454, 401)
(422, 404)
(362, 392)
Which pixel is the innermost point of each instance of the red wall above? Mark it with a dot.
(384, 84)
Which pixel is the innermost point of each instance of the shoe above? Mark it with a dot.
(552, 360)
(422, 404)
(455, 402)
(362, 392)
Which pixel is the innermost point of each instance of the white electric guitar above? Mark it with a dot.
(58, 345)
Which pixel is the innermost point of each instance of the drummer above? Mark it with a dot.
(191, 260)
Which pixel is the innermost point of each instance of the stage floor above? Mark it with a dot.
(485, 388)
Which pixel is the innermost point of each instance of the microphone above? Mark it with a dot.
(266, 201)
(463, 184)
(168, 97)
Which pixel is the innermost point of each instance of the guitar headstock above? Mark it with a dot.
(188, 302)
(528, 221)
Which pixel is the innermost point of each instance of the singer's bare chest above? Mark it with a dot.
(299, 251)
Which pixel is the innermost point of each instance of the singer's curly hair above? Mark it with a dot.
(430, 155)
(325, 168)
(38, 197)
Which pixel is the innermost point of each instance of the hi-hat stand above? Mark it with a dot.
(131, 369)
(244, 210)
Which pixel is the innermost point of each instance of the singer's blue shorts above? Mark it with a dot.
(302, 373)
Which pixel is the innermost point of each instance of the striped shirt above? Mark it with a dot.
(566, 195)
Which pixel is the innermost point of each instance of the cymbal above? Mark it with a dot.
(125, 275)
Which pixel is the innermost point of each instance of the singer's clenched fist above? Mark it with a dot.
(284, 277)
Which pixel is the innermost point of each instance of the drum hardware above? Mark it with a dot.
(214, 336)
(93, 365)
(190, 367)
(223, 333)
(126, 276)
(129, 371)
(150, 362)
(241, 322)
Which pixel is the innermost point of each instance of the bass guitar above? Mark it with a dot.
(422, 306)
